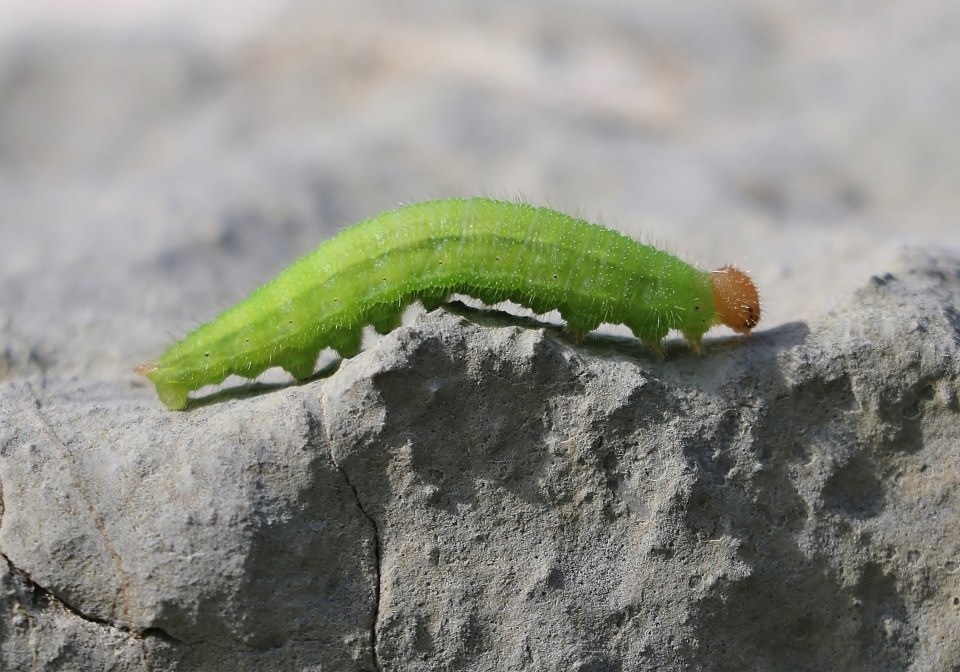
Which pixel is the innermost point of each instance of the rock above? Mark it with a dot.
(39, 632)
(476, 492)
(229, 543)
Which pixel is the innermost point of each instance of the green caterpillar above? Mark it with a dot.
(491, 250)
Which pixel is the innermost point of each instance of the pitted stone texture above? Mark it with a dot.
(219, 538)
(477, 492)
(785, 502)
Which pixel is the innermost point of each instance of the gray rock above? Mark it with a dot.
(229, 542)
(475, 492)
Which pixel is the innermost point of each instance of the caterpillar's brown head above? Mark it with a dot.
(736, 299)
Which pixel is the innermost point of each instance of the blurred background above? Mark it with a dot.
(159, 159)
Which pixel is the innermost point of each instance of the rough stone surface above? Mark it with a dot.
(474, 491)
(477, 493)
(787, 503)
(229, 542)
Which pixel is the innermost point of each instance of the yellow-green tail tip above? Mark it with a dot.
(173, 395)
(146, 369)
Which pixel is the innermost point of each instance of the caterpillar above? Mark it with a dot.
(489, 249)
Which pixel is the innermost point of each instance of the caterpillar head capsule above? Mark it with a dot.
(736, 299)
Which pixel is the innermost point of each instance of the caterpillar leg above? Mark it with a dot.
(657, 347)
(347, 342)
(652, 338)
(575, 335)
(173, 395)
(433, 301)
(384, 324)
(696, 343)
(301, 367)
(695, 339)
(578, 325)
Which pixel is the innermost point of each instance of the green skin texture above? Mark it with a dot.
(488, 249)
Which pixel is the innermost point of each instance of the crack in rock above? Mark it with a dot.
(377, 559)
(53, 598)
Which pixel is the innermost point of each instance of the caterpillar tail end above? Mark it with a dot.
(172, 395)
(736, 299)
(145, 369)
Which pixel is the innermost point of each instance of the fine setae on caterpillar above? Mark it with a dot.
(488, 249)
